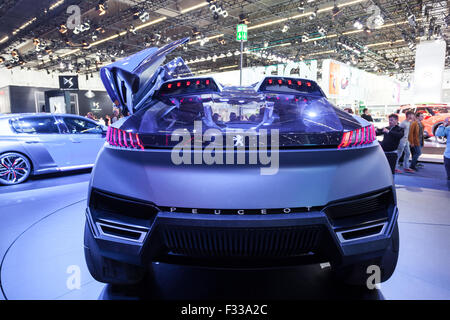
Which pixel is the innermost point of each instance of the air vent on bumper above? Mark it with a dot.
(369, 208)
(121, 231)
(105, 204)
(361, 232)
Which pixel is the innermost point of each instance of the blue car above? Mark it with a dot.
(38, 143)
(260, 176)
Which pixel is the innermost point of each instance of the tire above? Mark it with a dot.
(442, 140)
(15, 168)
(356, 274)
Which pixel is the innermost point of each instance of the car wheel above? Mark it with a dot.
(15, 168)
(443, 139)
(357, 274)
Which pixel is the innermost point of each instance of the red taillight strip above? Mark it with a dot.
(131, 139)
(117, 137)
(344, 139)
(139, 142)
(358, 131)
(364, 135)
(349, 140)
(122, 139)
(125, 138)
(119, 133)
(114, 136)
(367, 135)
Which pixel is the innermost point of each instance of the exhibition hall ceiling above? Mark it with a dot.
(374, 35)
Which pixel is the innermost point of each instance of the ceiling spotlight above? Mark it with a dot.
(101, 7)
(312, 15)
(322, 31)
(378, 21)
(301, 6)
(62, 28)
(367, 30)
(447, 20)
(196, 33)
(412, 20)
(285, 28)
(144, 16)
(15, 53)
(358, 25)
(244, 18)
(266, 44)
(2, 60)
(132, 29)
(204, 41)
(305, 38)
(336, 10)
(218, 10)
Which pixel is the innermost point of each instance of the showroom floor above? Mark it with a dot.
(41, 236)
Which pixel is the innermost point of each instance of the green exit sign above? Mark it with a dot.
(241, 32)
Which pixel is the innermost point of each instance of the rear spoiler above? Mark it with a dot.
(130, 81)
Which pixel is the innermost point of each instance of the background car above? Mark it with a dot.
(33, 144)
(434, 116)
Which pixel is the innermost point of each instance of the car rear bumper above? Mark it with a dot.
(253, 241)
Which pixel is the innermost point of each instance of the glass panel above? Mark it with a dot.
(36, 125)
(80, 126)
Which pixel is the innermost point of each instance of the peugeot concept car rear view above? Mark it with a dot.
(234, 177)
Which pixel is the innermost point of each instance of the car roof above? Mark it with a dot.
(31, 114)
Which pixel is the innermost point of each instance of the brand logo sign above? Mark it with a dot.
(68, 82)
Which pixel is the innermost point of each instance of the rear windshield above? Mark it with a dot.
(300, 120)
(287, 113)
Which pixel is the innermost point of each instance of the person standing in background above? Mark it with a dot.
(444, 131)
(415, 139)
(404, 143)
(90, 115)
(392, 136)
(116, 115)
(107, 120)
(366, 115)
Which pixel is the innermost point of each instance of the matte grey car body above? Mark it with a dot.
(331, 200)
(50, 142)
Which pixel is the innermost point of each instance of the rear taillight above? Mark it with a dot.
(120, 138)
(358, 137)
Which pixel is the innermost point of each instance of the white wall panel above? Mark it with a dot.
(429, 71)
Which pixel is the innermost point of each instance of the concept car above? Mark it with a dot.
(267, 175)
(38, 143)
